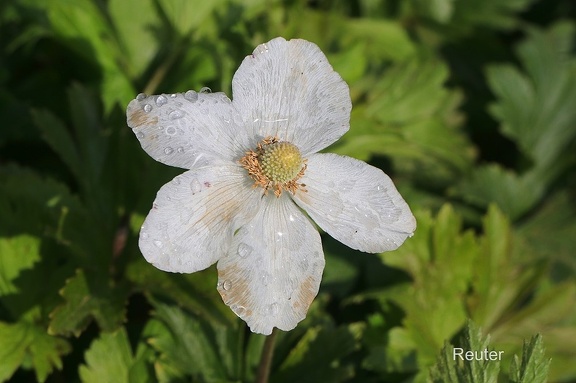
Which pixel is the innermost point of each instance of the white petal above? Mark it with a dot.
(274, 267)
(194, 217)
(289, 90)
(186, 129)
(355, 203)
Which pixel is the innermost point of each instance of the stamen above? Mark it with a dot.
(276, 165)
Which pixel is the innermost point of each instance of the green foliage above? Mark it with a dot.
(456, 366)
(437, 87)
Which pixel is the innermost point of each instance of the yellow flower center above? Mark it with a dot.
(281, 161)
(276, 165)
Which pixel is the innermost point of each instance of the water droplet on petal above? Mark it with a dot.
(141, 96)
(170, 130)
(226, 285)
(238, 310)
(265, 278)
(168, 150)
(273, 309)
(173, 95)
(191, 96)
(195, 186)
(180, 149)
(158, 244)
(175, 114)
(205, 89)
(140, 135)
(161, 100)
(147, 108)
(244, 250)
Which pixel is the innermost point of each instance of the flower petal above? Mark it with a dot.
(274, 267)
(289, 90)
(185, 129)
(194, 217)
(355, 203)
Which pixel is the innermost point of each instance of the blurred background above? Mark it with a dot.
(470, 106)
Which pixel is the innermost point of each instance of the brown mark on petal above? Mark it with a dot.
(306, 294)
(238, 293)
(139, 117)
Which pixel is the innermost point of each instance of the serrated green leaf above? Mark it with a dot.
(451, 368)
(89, 296)
(439, 258)
(16, 254)
(533, 366)
(498, 281)
(25, 340)
(514, 194)
(108, 359)
(412, 117)
(536, 108)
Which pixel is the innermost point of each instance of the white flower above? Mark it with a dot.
(255, 179)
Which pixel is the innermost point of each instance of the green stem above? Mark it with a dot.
(266, 358)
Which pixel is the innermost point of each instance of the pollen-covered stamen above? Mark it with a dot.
(275, 165)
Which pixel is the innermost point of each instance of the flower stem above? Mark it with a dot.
(266, 358)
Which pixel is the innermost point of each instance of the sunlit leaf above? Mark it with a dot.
(20, 341)
(89, 296)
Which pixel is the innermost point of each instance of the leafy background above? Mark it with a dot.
(468, 105)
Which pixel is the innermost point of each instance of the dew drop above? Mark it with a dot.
(244, 250)
(273, 309)
(168, 150)
(140, 135)
(238, 310)
(161, 100)
(226, 285)
(205, 89)
(175, 114)
(141, 96)
(265, 278)
(173, 95)
(180, 149)
(147, 108)
(170, 130)
(195, 186)
(191, 96)
(158, 244)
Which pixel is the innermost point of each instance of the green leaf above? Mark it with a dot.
(22, 340)
(189, 347)
(187, 16)
(318, 356)
(514, 194)
(81, 25)
(16, 254)
(135, 34)
(196, 292)
(439, 258)
(536, 110)
(110, 359)
(533, 366)
(89, 296)
(451, 368)
(499, 281)
(410, 116)
(536, 107)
